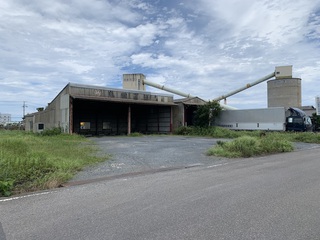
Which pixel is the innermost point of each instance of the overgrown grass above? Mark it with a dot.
(30, 162)
(218, 132)
(215, 132)
(135, 134)
(247, 146)
(249, 143)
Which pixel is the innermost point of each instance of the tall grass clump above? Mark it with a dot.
(271, 144)
(219, 132)
(245, 146)
(213, 131)
(51, 132)
(307, 137)
(135, 134)
(30, 162)
(183, 130)
(248, 146)
(216, 132)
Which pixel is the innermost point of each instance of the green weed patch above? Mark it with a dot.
(247, 146)
(219, 132)
(30, 162)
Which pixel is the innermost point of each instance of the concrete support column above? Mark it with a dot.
(184, 115)
(129, 120)
(171, 119)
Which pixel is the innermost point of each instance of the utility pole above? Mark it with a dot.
(24, 106)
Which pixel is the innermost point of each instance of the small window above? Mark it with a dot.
(308, 121)
(40, 126)
(106, 125)
(298, 120)
(84, 125)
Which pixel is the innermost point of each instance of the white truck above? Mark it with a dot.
(267, 119)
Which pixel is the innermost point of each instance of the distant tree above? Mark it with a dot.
(315, 122)
(205, 114)
(40, 109)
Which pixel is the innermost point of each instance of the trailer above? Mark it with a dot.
(266, 119)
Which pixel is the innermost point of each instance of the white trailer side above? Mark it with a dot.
(273, 119)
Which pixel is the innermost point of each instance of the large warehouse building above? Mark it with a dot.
(92, 110)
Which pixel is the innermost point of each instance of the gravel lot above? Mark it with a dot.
(142, 154)
(139, 154)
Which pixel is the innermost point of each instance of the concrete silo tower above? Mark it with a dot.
(284, 91)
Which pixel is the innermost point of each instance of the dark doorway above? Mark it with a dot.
(189, 111)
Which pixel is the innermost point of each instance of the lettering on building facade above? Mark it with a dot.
(124, 95)
(111, 94)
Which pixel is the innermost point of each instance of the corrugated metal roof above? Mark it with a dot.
(190, 101)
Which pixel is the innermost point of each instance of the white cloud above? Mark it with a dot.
(277, 22)
(76, 68)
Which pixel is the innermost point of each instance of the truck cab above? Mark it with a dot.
(297, 120)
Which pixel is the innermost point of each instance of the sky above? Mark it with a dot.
(205, 48)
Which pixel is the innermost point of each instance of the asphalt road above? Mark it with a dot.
(274, 197)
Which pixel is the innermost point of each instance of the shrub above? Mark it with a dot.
(220, 151)
(220, 143)
(183, 130)
(272, 145)
(51, 132)
(135, 134)
(205, 114)
(6, 188)
(307, 137)
(201, 131)
(316, 121)
(247, 146)
(220, 132)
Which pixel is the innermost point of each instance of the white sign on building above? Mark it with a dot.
(318, 105)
